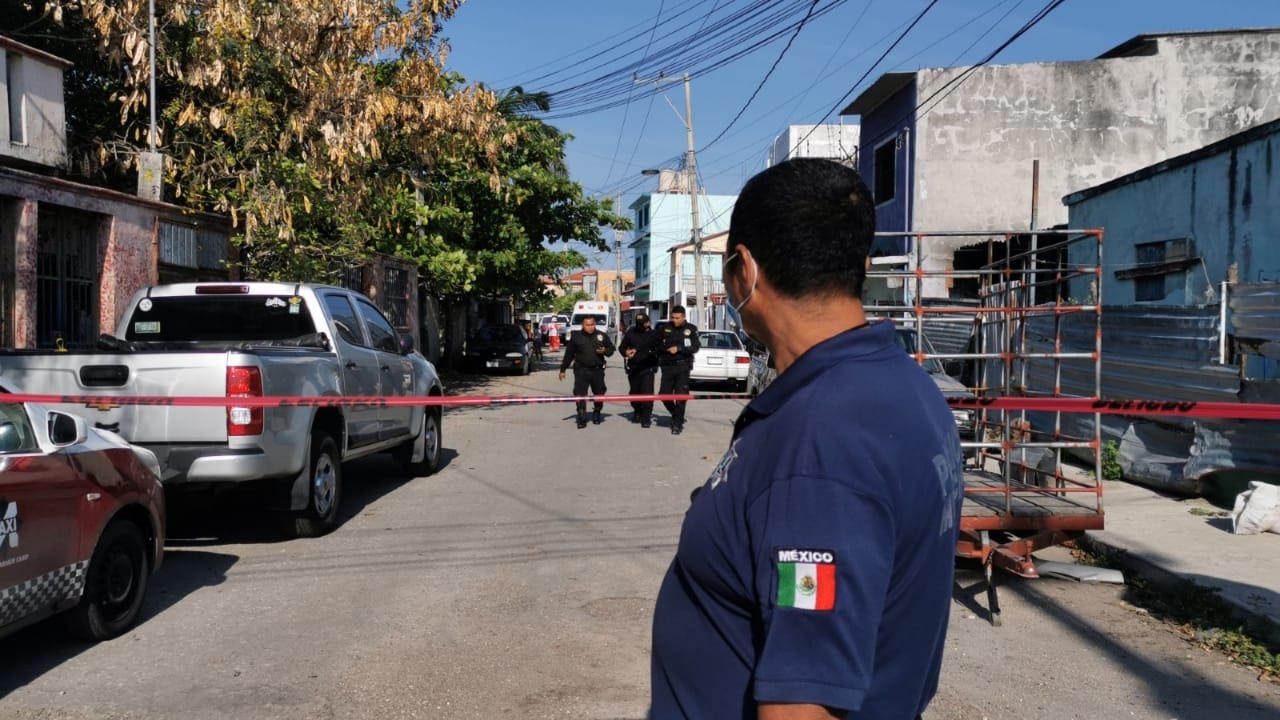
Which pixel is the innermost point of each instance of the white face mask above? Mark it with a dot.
(755, 277)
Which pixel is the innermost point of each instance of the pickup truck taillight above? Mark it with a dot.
(244, 382)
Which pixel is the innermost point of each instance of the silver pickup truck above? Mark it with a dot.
(252, 339)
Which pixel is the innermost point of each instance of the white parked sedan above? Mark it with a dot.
(722, 359)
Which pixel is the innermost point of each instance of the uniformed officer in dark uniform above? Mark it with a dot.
(586, 351)
(678, 342)
(640, 347)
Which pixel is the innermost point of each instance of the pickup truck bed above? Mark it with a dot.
(251, 339)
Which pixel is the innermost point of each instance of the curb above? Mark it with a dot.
(1137, 566)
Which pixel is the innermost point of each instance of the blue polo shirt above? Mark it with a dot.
(816, 563)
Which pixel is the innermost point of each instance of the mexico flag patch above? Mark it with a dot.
(807, 579)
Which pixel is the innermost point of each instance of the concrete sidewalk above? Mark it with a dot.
(1165, 538)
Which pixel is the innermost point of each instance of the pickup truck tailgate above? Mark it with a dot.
(134, 374)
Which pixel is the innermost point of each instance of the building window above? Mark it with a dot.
(1152, 287)
(589, 285)
(395, 296)
(886, 171)
(17, 98)
(1149, 289)
(67, 278)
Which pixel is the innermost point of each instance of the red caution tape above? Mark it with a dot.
(1178, 408)
(1198, 409)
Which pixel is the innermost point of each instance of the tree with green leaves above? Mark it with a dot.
(563, 305)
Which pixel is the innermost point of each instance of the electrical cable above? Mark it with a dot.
(728, 40)
(871, 69)
(767, 75)
(954, 83)
(627, 108)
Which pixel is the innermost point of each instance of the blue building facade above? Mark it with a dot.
(1177, 230)
(664, 220)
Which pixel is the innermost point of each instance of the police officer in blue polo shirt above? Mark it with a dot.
(814, 569)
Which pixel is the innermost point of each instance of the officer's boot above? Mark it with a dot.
(595, 416)
(582, 416)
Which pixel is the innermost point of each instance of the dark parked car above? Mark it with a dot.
(500, 347)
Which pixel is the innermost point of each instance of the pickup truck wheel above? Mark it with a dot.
(430, 439)
(115, 583)
(325, 482)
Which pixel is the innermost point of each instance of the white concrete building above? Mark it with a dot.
(953, 148)
(32, 113)
(830, 141)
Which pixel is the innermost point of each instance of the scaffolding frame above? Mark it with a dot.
(1026, 503)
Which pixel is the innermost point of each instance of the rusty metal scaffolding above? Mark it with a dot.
(1017, 497)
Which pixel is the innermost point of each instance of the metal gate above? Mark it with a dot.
(67, 271)
(1018, 499)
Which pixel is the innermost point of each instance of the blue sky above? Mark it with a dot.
(550, 44)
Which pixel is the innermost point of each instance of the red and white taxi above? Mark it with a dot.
(82, 522)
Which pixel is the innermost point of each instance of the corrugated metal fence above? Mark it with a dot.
(1165, 353)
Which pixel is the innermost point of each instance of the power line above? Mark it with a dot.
(767, 75)
(951, 85)
(866, 74)
(627, 108)
(790, 102)
(728, 39)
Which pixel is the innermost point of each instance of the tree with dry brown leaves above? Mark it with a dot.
(280, 113)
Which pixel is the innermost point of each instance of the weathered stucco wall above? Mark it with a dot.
(1087, 122)
(126, 244)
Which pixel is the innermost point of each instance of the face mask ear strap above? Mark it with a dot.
(755, 278)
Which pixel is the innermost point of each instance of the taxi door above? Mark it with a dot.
(40, 500)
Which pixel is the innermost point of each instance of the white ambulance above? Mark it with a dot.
(603, 312)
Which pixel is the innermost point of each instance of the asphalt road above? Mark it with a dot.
(519, 583)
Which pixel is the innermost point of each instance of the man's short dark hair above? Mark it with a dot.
(678, 310)
(809, 223)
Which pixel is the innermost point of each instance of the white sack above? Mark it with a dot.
(1257, 509)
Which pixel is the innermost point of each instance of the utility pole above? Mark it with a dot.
(691, 185)
(151, 163)
(691, 167)
(617, 281)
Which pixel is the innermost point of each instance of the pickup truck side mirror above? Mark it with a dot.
(954, 367)
(406, 344)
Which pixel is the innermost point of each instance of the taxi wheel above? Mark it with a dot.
(325, 486)
(114, 584)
